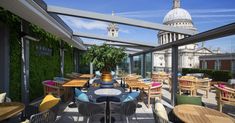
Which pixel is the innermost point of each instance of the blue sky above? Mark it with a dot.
(206, 14)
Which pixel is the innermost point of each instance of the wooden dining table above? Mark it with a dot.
(86, 76)
(76, 83)
(198, 114)
(137, 85)
(10, 109)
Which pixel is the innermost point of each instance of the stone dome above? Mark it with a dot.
(177, 14)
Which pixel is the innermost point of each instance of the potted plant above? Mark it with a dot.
(105, 58)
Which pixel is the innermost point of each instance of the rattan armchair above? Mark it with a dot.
(53, 88)
(205, 86)
(186, 85)
(224, 95)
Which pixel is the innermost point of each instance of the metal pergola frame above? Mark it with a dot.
(37, 12)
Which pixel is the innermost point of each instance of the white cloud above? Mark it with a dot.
(124, 31)
(77, 23)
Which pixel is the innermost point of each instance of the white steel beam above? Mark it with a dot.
(116, 19)
(223, 31)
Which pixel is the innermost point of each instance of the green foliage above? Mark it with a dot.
(40, 67)
(214, 74)
(105, 57)
(13, 22)
(46, 67)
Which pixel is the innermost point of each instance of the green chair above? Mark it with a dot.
(185, 99)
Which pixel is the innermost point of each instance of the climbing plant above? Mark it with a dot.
(41, 66)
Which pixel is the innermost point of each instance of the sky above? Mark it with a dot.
(206, 15)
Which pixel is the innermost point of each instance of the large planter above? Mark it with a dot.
(106, 77)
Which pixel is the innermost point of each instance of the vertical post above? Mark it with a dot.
(174, 74)
(4, 56)
(91, 68)
(62, 58)
(75, 59)
(152, 62)
(143, 69)
(25, 65)
(131, 65)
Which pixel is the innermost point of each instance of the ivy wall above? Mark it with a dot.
(44, 57)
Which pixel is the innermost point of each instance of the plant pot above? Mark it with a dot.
(106, 77)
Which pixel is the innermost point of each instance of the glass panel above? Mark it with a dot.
(148, 65)
(137, 64)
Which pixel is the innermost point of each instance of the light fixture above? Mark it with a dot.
(26, 36)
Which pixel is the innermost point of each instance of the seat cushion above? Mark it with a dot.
(48, 102)
(131, 96)
(161, 111)
(81, 96)
(185, 99)
(2, 97)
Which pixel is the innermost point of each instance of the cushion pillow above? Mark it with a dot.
(81, 96)
(131, 96)
(184, 99)
(2, 97)
(156, 84)
(50, 82)
(48, 102)
(161, 111)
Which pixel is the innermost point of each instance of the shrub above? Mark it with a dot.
(216, 75)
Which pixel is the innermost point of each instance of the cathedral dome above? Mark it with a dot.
(177, 14)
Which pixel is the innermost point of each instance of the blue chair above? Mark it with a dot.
(87, 108)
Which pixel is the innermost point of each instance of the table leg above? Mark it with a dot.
(121, 83)
(73, 105)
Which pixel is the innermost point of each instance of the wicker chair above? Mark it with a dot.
(54, 88)
(90, 109)
(186, 84)
(206, 86)
(153, 92)
(224, 95)
(126, 109)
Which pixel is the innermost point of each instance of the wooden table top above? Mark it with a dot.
(139, 85)
(76, 83)
(198, 114)
(10, 109)
(87, 76)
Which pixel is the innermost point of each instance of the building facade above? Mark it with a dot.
(188, 54)
(218, 62)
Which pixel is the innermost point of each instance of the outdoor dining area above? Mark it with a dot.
(55, 77)
(120, 100)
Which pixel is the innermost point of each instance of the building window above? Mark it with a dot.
(217, 65)
(204, 65)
